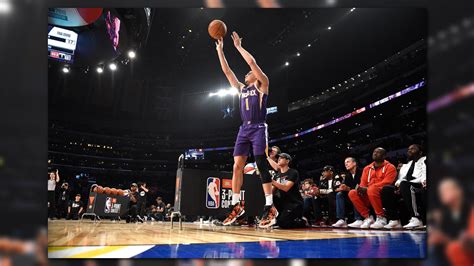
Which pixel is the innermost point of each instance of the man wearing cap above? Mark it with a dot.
(375, 176)
(133, 209)
(287, 198)
(325, 194)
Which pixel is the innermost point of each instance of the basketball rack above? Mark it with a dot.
(96, 218)
(180, 220)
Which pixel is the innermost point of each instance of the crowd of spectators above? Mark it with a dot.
(66, 201)
(376, 196)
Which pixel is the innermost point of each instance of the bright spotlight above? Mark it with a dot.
(309, 45)
(99, 70)
(287, 63)
(5, 6)
(221, 93)
(352, 9)
(65, 70)
(233, 91)
(132, 54)
(329, 28)
(298, 54)
(113, 66)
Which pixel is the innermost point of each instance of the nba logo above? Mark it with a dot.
(213, 192)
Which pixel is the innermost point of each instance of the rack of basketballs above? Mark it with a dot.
(109, 191)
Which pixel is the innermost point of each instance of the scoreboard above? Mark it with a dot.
(62, 44)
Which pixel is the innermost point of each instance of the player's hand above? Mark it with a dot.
(423, 183)
(57, 171)
(237, 40)
(220, 44)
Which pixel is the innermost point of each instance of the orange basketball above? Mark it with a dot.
(106, 190)
(122, 192)
(217, 29)
(113, 191)
(100, 189)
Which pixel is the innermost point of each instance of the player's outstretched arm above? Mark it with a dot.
(234, 82)
(273, 164)
(256, 70)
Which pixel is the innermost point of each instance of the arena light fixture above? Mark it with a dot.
(131, 54)
(65, 69)
(100, 70)
(113, 66)
(287, 63)
(352, 9)
(298, 54)
(233, 91)
(224, 92)
(329, 28)
(5, 6)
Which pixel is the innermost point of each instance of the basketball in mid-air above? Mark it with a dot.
(100, 189)
(107, 190)
(217, 29)
(250, 169)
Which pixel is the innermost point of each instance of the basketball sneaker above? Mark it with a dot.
(413, 223)
(356, 224)
(269, 216)
(367, 222)
(393, 224)
(379, 223)
(340, 223)
(236, 211)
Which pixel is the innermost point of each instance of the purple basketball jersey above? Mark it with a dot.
(253, 105)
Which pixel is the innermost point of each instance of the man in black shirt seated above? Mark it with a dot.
(133, 209)
(286, 195)
(75, 208)
(325, 195)
(161, 208)
(350, 181)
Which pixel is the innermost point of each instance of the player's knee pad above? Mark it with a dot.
(262, 166)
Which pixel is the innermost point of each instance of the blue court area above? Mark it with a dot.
(369, 244)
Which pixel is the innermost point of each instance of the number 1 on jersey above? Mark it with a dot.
(247, 104)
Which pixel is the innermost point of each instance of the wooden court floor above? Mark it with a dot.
(88, 233)
(106, 239)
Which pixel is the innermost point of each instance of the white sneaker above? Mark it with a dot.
(414, 223)
(393, 224)
(356, 224)
(379, 223)
(367, 222)
(340, 223)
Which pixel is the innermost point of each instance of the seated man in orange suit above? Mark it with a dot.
(375, 176)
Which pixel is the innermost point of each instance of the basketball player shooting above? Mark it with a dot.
(253, 132)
